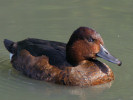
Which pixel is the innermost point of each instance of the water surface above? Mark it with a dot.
(56, 20)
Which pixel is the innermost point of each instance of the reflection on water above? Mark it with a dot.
(46, 19)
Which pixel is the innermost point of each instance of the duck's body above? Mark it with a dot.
(69, 64)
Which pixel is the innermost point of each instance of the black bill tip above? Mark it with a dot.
(120, 63)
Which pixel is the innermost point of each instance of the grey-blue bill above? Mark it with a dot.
(104, 53)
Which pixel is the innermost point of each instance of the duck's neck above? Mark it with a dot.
(74, 52)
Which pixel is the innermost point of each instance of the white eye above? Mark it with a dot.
(90, 39)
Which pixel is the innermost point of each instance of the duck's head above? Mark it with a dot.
(85, 44)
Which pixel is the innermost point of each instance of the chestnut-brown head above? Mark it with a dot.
(84, 44)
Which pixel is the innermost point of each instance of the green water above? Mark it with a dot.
(56, 20)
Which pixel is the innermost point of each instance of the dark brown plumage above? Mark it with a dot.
(72, 64)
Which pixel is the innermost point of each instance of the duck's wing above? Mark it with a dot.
(55, 51)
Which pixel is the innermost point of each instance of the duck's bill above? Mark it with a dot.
(103, 53)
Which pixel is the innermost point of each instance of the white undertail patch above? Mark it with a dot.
(10, 56)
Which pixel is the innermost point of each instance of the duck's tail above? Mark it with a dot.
(10, 46)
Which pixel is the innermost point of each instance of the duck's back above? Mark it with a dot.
(55, 51)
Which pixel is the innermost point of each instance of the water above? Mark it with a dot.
(56, 20)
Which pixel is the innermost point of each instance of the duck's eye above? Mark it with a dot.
(90, 39)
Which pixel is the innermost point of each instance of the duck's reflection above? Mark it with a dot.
(50, 89)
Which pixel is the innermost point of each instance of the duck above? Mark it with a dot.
(71, 64)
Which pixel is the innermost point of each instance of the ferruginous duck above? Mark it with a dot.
(72, 64)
